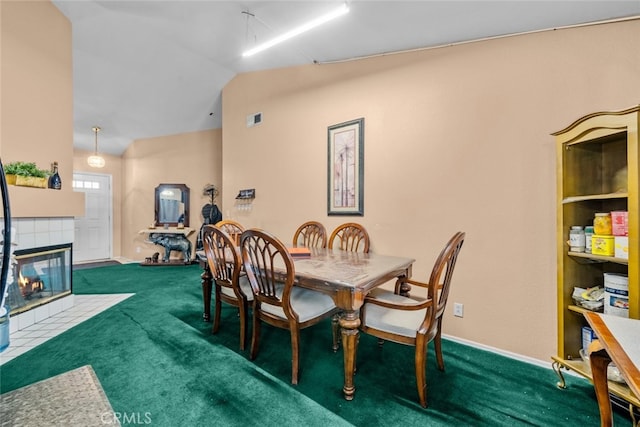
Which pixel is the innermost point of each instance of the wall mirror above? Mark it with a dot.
(172, 204)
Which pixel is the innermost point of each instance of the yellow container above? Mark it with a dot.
(602, 224)
(602, 245)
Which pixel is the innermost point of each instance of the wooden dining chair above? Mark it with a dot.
(231, 286)
(311, 234)
(276, 299)
(415, 320)
(233, 228)
(351, 237)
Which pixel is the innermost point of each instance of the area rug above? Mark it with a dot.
(75, 398)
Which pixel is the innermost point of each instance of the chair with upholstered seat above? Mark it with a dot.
(351, 237)
(311, 234)
(231, 286)
(415, 320)
(233, 228)
(276, 299)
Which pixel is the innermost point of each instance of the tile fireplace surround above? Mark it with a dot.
(34, 233)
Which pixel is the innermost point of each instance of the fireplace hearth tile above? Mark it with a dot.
(85, 307)
(41, 313)
(25, 319)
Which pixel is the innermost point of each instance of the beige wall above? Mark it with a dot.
(36, 98)
(193, 159)
(456, 138)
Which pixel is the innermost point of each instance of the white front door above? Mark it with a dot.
(92, 240)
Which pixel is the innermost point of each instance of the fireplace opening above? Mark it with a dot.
(41, 275)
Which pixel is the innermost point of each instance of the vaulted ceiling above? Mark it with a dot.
(151, 68)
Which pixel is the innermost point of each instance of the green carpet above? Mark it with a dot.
(156, 358)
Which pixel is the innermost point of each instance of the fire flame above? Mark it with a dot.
(29, 286)
(22, 281)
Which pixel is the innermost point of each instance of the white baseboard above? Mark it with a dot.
(123, 260)
(509, 354)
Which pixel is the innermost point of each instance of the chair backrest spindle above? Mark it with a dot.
(350, 237)
(222, 256)
(233, 228)
(311, 234)
(262, 255)
(447, 262)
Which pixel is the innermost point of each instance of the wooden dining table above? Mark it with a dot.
(347, 277)
(617, 342)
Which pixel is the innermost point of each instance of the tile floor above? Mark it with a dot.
(84, 307)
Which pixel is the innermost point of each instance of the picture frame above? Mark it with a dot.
(345, 168)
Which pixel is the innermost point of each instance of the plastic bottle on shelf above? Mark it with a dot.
(577, 241)
(588, 234)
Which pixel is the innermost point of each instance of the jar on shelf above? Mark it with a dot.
(602, 224)
(588, 234)
(577, 241)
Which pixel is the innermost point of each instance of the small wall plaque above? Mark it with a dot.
(247, 194)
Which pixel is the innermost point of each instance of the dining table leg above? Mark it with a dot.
(207, 284)
(599, 360)
(349, 324)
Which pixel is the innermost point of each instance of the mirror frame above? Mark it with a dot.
(185, 199)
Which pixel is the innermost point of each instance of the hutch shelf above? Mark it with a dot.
(597, 171)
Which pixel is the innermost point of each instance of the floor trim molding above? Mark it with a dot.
(509, 354)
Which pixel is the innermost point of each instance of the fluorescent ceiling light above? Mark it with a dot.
(298, 30)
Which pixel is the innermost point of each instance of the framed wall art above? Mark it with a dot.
(345, 187)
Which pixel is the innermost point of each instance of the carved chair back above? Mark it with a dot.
(311, 234)
(223, 256)
(261, 253)
(440, 280)
(233, 228)
(351, 237)
(225, 265)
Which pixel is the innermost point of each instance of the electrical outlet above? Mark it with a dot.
(458, 309)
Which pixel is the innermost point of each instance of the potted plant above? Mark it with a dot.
(26, 174)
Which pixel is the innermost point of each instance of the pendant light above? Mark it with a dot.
(96, 160)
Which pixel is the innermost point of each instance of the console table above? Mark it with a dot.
(171, 239)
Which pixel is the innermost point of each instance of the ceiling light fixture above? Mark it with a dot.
(96, 160)
(298, 30)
